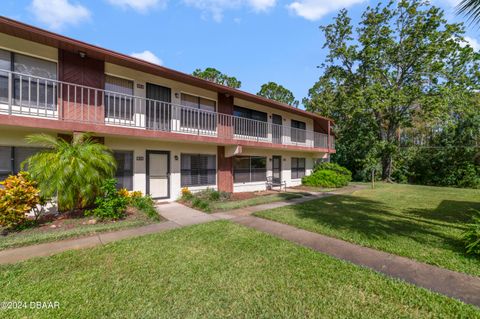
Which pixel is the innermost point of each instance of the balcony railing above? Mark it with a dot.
(26, 95)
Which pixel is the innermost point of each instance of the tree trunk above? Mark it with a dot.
(387, 161)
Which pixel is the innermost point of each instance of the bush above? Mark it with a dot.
(146, 205)
(328, 175)
(471, 237)
(111, 204)
(201, 204)
(18, 197)
(212, 195)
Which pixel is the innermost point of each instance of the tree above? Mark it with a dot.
(277, 92)
(402, 63)
(71, 172)
(470, 8)
(214, 75)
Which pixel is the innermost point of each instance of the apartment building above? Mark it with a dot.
(167, 129)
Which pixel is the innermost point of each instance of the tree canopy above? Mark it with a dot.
(402, 66)
(214, 75)
(277, 92)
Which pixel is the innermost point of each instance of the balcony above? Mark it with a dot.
(25, 95)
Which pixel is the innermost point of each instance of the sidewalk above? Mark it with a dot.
(10, 256)
(450, 283)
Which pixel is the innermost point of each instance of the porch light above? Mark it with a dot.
(82, 54)
(176, 157)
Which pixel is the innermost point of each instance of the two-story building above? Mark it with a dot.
(167, 129)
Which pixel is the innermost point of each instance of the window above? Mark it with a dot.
(124, 173)
(249, 169)
(5, 64)
(36, 85)
(298, 167)
(258, 127)
(299, 131)
(11, 159)
(191, 117)
(198, 170)
(119, 101)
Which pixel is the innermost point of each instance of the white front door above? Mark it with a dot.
(158, 174)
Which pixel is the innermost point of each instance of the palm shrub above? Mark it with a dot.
(71, 172)
(471, 237)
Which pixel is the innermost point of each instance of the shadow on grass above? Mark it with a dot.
(373, 220)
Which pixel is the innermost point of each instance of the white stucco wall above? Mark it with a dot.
(16, 137)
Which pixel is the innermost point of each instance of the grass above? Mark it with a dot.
(73, 228)
(419, 222)
(258, 200)
(213, 270)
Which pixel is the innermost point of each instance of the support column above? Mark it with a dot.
(224, 171)
(225, 109)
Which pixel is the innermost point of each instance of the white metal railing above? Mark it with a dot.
(27, 95)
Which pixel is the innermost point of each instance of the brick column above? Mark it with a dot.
(224, 171)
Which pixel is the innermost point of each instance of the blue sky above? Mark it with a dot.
(255, 40)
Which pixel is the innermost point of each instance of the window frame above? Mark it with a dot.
(125, 100)
(258, 128)
(126, 172)
(201, 173)
(297, 171)
(12, 163)
(48, 102)
(298, 131)
(252, 171)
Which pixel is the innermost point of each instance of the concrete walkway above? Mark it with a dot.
(183, 215)
(453, 284)
(10, 256)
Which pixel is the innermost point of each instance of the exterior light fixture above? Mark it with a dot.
(176, 157)
(82, 54)
(177, 95)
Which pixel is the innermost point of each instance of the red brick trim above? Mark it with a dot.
(67, 126)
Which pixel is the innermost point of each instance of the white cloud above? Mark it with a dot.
(216, 8)
(262, 5)
(474, 43)
(316, 9)
(139, 5)
(57, 13)
(147, 56)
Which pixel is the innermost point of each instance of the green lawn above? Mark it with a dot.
(213, 270)
(258, 200)
(419, 222)
(71, 228)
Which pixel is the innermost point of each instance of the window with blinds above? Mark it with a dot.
(258, 127)
(119, 102)
(12, 158)
(249, 169)
(5, 65)
(192, 117)
(298, 131)
(198, 170)
(34, 81)
(124, 173)
(298, 167)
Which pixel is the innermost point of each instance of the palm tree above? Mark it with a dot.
(71, 172)
(470, 8)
